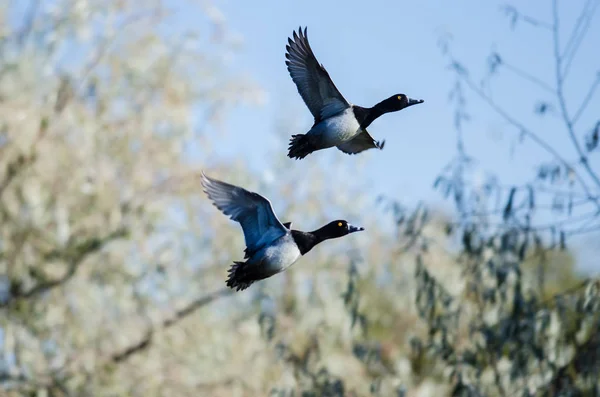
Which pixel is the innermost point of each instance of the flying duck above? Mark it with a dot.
(271, 246)
(337, 122)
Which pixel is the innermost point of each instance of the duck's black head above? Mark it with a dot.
(396, 102)
(307, 240)
(337, 228)
(365, 116)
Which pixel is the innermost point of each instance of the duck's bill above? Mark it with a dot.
(414, 102)
(352, 228)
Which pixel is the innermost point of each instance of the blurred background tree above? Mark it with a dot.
(113, 262)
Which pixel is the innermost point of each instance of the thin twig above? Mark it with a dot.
(523, 74)
(512, 11)
(528, 133)
(585, 23)
(587, 99)
(576, 27)
(561, 98)
(535, 22)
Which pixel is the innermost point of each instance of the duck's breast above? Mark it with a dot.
(337, 129)
(280, 255)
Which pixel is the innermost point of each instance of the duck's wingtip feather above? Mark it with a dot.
(236, 279)
(204, 176)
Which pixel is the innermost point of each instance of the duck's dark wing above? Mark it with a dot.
(362, 141)
(321, 96)
(253, 211)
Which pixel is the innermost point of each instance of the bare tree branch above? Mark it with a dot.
(529, 77)
(515, 15)
(146, 341)
(578, 34)
(13, 169)
(561, 98)
(587, 99)
(74, 256)
(576, 27)
(531, 135)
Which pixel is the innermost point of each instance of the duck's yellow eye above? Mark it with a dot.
(399, 97)
(340, 224)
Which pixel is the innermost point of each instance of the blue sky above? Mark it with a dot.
(375, 49)
(378, 48)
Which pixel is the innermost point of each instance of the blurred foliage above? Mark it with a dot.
(112, 262)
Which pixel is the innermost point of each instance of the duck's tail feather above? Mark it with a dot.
(238, 278)
(300, 146)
